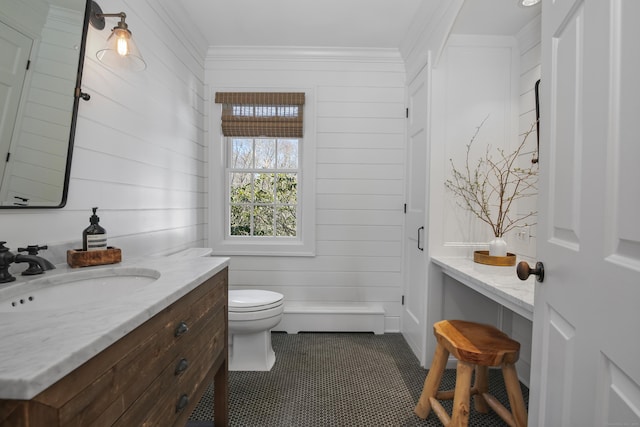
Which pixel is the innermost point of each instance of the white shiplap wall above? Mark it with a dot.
(476, 79)
(359, 159)
(529, 47)
(140, 152)
(482, 77)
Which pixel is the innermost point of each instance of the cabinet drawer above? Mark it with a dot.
(158, 406)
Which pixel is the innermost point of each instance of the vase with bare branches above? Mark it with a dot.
(489, 187)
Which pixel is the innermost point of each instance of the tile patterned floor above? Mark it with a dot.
(338, 379)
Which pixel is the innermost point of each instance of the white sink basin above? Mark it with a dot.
(72, 290)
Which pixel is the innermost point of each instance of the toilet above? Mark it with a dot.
(252, 315)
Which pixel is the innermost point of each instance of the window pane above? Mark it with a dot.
(265, 110)
(243, 110)
(263, 221)
(286, 221)
(241, 154)
(263, 203)
(288, 111)
(240, 190)
(264, 188)
(240, 220)
(265, 153)
(286, 188)
(287, 154)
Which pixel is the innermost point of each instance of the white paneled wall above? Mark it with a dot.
(476, 80)
(482, 77)
(359, 159)
(529, 47)
(140, 153)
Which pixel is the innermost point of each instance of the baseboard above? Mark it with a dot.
(331, 317)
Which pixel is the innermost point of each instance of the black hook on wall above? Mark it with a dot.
(80, 94)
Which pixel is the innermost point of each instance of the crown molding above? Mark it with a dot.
(428, 35)
(288, 53)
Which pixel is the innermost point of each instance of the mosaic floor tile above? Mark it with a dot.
(339, 379)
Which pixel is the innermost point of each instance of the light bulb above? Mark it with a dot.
(123, 47)
(122, 41)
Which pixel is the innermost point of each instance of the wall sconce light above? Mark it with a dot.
(120, 51)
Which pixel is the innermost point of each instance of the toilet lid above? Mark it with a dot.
(253, 300)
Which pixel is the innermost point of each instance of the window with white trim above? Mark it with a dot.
(264, 195)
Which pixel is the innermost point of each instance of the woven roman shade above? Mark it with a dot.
(255, 114)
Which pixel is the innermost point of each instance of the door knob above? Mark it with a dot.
(524, 271)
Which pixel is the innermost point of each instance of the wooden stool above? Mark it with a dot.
(479, 346)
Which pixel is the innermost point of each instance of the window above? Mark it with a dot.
(262, 176)
(267, 209)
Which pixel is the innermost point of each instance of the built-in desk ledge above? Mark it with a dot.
(501, 284)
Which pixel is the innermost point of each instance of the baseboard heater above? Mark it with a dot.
(331, 317)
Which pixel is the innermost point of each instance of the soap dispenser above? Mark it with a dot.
(94, 237)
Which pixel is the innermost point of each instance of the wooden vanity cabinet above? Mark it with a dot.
(153, 376)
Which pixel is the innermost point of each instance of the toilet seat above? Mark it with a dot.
(236, 317)
(249, 300)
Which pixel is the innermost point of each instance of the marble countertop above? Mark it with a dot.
(500, 284)
(39, 348)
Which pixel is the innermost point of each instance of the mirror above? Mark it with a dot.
(42, 46)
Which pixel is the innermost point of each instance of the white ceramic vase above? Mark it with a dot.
(498, 247)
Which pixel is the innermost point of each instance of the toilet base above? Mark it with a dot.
(251, 352)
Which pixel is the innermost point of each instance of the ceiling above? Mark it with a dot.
(494, 17)
(340, 23)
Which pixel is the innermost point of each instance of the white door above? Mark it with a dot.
(415, 238)
(586, 345)
(15, 49)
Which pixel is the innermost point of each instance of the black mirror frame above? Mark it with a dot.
(77, 95)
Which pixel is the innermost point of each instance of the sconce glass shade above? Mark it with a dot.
(121, 52)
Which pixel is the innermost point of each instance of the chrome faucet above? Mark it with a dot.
(37, 264)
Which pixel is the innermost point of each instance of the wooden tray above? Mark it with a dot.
(79, 258)
(483, 257)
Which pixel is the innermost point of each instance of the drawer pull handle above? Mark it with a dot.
(181, 329)
(182, 366)
(183, 401)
